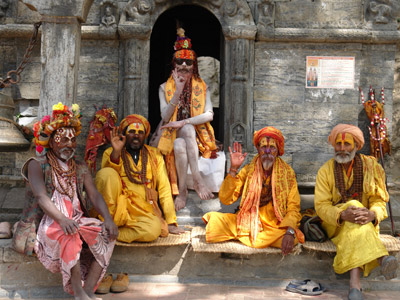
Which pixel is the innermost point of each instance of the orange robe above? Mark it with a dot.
(223, 226)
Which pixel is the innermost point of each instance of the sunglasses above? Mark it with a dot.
(180, 61)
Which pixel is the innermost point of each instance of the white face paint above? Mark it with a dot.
(65, 143)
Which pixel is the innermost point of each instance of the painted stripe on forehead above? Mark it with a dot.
(136, 127)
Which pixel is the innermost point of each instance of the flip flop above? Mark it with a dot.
(389, 267)
(305, 287)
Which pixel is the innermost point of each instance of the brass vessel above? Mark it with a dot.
(11, 138)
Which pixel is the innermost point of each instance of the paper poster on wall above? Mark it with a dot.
(335, 72)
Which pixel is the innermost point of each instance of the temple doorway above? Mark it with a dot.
(205, 32)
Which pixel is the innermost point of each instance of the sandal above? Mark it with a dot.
(305, 287)
(389, 267)
(5, 230)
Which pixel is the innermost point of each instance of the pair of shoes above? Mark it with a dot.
(119, 285)
(5, 230)
(389, 267)
(305, 287)
(355, 294)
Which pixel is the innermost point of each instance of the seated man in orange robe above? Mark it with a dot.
(269, 212)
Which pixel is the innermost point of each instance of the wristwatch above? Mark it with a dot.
(290, 231)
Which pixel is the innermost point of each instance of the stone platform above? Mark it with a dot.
(182, 264)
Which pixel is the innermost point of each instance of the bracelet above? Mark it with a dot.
(187, 121)
(173, 104)
(289, 234)
(232, 170)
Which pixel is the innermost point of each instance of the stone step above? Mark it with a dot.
(185, 265)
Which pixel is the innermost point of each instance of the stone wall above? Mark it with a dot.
(287, 32)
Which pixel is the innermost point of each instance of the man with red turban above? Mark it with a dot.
(269, 212)
(186, 111)
(350, 198)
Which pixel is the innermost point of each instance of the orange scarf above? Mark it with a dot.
(283, 178)
(205, 133)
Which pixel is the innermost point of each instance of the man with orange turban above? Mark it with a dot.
(132, 180)
(186, 111)
(350, 198)
(269, 212)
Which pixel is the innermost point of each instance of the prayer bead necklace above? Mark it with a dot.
(66, 178)
(128, 170)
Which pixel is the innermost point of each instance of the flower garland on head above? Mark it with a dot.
(62, 116)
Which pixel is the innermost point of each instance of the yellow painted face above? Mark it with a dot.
(268, 142)
(345, 139)
(136, 128)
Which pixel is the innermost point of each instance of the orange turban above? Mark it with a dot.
(135, 119)
(272, 132)
(347, 128)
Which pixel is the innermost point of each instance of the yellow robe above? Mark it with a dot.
(126, 200)
(357, 245)
(222, 226)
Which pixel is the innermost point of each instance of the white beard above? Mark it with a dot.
(346, 159)
(65, 156)
(267, 163)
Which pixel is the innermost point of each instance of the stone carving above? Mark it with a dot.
(235, 9)
(108, 11)
(266, 14)
(239, 133)
(137, 11)
(3, 8)
(238, 53)
(382, 11)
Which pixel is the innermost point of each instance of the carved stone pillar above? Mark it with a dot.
(136, 47)
(238, 87)
(133, 28)
(60, 49)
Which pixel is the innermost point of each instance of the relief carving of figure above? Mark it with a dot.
(266, 16)
(137, 11)
(108, 19)
(382, 11)
(3, 7)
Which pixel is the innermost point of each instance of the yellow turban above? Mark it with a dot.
(347, 128)
(135, 119)
(272, 132)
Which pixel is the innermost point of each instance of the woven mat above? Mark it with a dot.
(170, 240)
(199, 244)
(391, 243)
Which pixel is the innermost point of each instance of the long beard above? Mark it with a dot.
(267, 161)
(344, 157)
(65, 156)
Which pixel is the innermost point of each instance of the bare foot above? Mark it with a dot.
(82, 296)
(180, 201)
(202, 190)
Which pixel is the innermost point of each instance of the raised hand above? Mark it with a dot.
(117, 139)
(237, 157)
(180, 80)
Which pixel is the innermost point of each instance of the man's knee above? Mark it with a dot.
(106, 174)
(355, 203)
(187, 131)
(180, 146)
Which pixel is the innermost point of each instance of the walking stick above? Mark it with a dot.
(377, 122)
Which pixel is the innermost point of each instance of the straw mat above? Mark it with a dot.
(391, 243)
(170, 240)
(199, 244)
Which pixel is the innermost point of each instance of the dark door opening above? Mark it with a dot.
(204, 30)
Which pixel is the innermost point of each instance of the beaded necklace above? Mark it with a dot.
(66, 178)
(128, 170)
